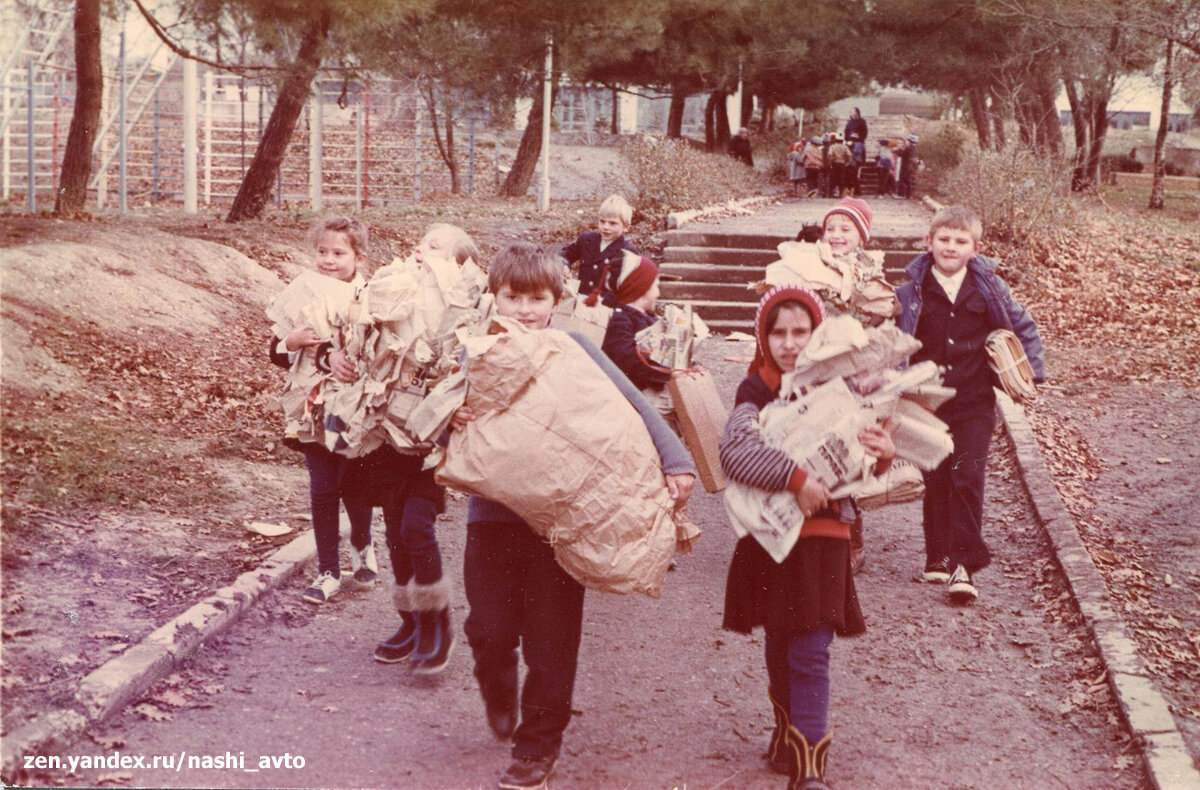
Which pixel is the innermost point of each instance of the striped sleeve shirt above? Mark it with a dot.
(747, 459)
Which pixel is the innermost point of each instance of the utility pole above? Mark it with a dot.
(544, 193)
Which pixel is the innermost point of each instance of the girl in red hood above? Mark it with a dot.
(803, 601)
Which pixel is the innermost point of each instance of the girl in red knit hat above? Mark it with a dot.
(804, 600)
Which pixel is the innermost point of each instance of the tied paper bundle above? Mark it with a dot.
(324, 304)
(670, 341)
(1006, 357)
(403, 340)
(557, 443)
(902, 482)
(574, 314)
(852, 283)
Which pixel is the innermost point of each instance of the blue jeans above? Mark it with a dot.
(411, 504)
(326, 477)
(798, 671)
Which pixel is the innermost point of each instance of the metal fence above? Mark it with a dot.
(171, 130)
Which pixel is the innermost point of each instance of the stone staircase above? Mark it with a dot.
(713, 269)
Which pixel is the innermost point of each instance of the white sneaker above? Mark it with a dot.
(364, 565)
(962, 591)
(322, 589)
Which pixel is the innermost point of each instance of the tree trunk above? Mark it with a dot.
(716, 122)
(446, 149)
(979, 114)
(767, 122)
(1080, 127)
(615, 127)
(710, 122)
(1158, 188)
(255, 189)
(721, 112)
(999, 110)
(1049, 126)
(85, 120)
(675, 113)
(1098, 126)
(521, 176)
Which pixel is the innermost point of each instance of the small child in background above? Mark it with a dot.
(858, 155)
(813, 164)
(412, 501)
(637, 294)
(518, 593)
(795, 163)
(952, 301)
(839, 161)
(885, 167)
(599, 253)
(341, 247)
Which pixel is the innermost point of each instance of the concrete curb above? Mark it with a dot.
(1168, 763)
(675, 219)
(113, 685)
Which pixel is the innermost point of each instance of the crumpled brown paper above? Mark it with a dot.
(557, 443)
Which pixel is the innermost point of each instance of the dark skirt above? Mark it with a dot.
(813, 586)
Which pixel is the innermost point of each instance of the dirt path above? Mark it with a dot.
(1005, 694)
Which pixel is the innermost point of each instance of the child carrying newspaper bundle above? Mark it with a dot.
(656, 354)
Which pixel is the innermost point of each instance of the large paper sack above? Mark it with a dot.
(557, 443)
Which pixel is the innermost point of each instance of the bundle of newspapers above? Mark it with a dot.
(669, 342)
(401, 333)
(852, 283)
(323, 303)
(820, 413)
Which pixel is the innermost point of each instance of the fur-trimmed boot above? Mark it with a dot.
(807, 771)
(435, 641)
(777, 752)
(400, 645)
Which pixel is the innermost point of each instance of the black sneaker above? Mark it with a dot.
(528, 773)
(937, 571)
(961, 590)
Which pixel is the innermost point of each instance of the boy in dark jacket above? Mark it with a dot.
(953, 300)
(599, 253)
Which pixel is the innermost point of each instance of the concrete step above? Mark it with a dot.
(711, 272)
(729, 256)
(722, 263)
(763, 241)
(725, 326)
(713, 310)
(733, 291)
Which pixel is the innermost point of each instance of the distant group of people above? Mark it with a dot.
(830, 165)
(520, 599)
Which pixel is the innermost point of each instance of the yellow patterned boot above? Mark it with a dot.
(777, 750)
(808, 767)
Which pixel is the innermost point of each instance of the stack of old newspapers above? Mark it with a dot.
(852, 283)
(824, 405)
(323, 303)
(402, 333)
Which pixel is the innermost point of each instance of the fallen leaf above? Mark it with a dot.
(148, 711)
(114, 778)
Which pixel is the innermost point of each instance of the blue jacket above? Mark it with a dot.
(1005, 311)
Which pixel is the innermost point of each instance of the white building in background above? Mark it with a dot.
(1137, 104)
